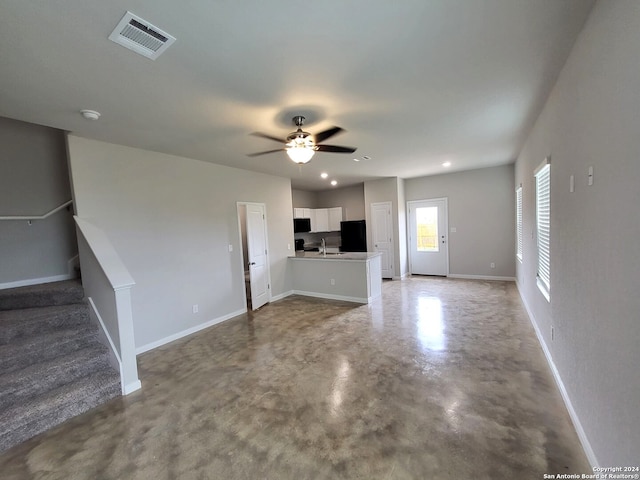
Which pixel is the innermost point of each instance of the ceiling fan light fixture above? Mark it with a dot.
(300, 147)
(300, 153)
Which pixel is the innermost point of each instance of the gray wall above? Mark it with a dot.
(304, 199)
(34, 180)
(592, 118)
(172, 220)
(387, 190)
(351, 199)
(482, 210)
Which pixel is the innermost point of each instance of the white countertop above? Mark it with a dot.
(344, 256)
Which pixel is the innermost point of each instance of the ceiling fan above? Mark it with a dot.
(301, 145)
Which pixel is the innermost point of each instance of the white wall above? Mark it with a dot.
(592, 118)
(171, 220)
(481, 208)
(34, 180)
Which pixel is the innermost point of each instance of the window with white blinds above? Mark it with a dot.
(543, 226)
(519, 223)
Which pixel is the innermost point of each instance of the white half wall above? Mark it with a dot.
(592, 118)
(173, 220)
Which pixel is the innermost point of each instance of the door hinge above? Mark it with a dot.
(265, 252)
(268, 286)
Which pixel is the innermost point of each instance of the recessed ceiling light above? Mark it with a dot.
(366, 157)
(324, 174)
(446, 164)
(356, 159)
(334, 182)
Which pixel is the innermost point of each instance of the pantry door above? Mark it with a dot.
(258, 255)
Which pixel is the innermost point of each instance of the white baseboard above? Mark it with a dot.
(36, 281)
(331, 296)
(483, 277)
(188, 331)
(275, 298)
(584, 440)
(131, 387)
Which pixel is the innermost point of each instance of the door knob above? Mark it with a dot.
(252, 263)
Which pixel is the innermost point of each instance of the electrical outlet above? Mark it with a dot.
(195, 308)
(493, 265)
(332, 281)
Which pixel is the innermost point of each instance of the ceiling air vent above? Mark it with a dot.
(140, 36)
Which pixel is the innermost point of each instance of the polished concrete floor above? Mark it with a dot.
(439, 379)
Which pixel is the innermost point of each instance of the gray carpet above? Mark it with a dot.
(52, 366)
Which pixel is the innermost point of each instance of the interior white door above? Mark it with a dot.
(382, 235)
(258, 256)
(428, 244)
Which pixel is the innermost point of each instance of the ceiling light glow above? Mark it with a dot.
(324, 175)
(446, 164)
(334, 182)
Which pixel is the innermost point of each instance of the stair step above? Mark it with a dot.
(42, 295)
(39, 378)
(35, 415)
(29, 321)
(25, 351)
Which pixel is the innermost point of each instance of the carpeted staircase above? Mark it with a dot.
(52, 365)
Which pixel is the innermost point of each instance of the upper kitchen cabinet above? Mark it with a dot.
(322, 219)
(335, 217)
(302, 212)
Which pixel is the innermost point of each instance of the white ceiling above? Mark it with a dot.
(414, 83)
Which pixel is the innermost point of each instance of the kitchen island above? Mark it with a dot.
(349, 276)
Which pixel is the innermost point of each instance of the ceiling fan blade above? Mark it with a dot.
(320, 137)
(264, 153)
(335, 149)
(268, 137)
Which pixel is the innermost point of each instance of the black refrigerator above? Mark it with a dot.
(354, 236)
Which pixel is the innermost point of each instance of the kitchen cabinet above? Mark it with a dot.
(322, 219)
(335, 217)
(302, 212)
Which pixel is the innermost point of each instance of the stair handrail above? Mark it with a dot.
(37, 217)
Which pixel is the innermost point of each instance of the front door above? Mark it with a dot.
(382, 234)
(258, 257)
(428, 243)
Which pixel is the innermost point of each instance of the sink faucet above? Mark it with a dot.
(324, 246)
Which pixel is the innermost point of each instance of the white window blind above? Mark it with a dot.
(519, 222)
(543, 225)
